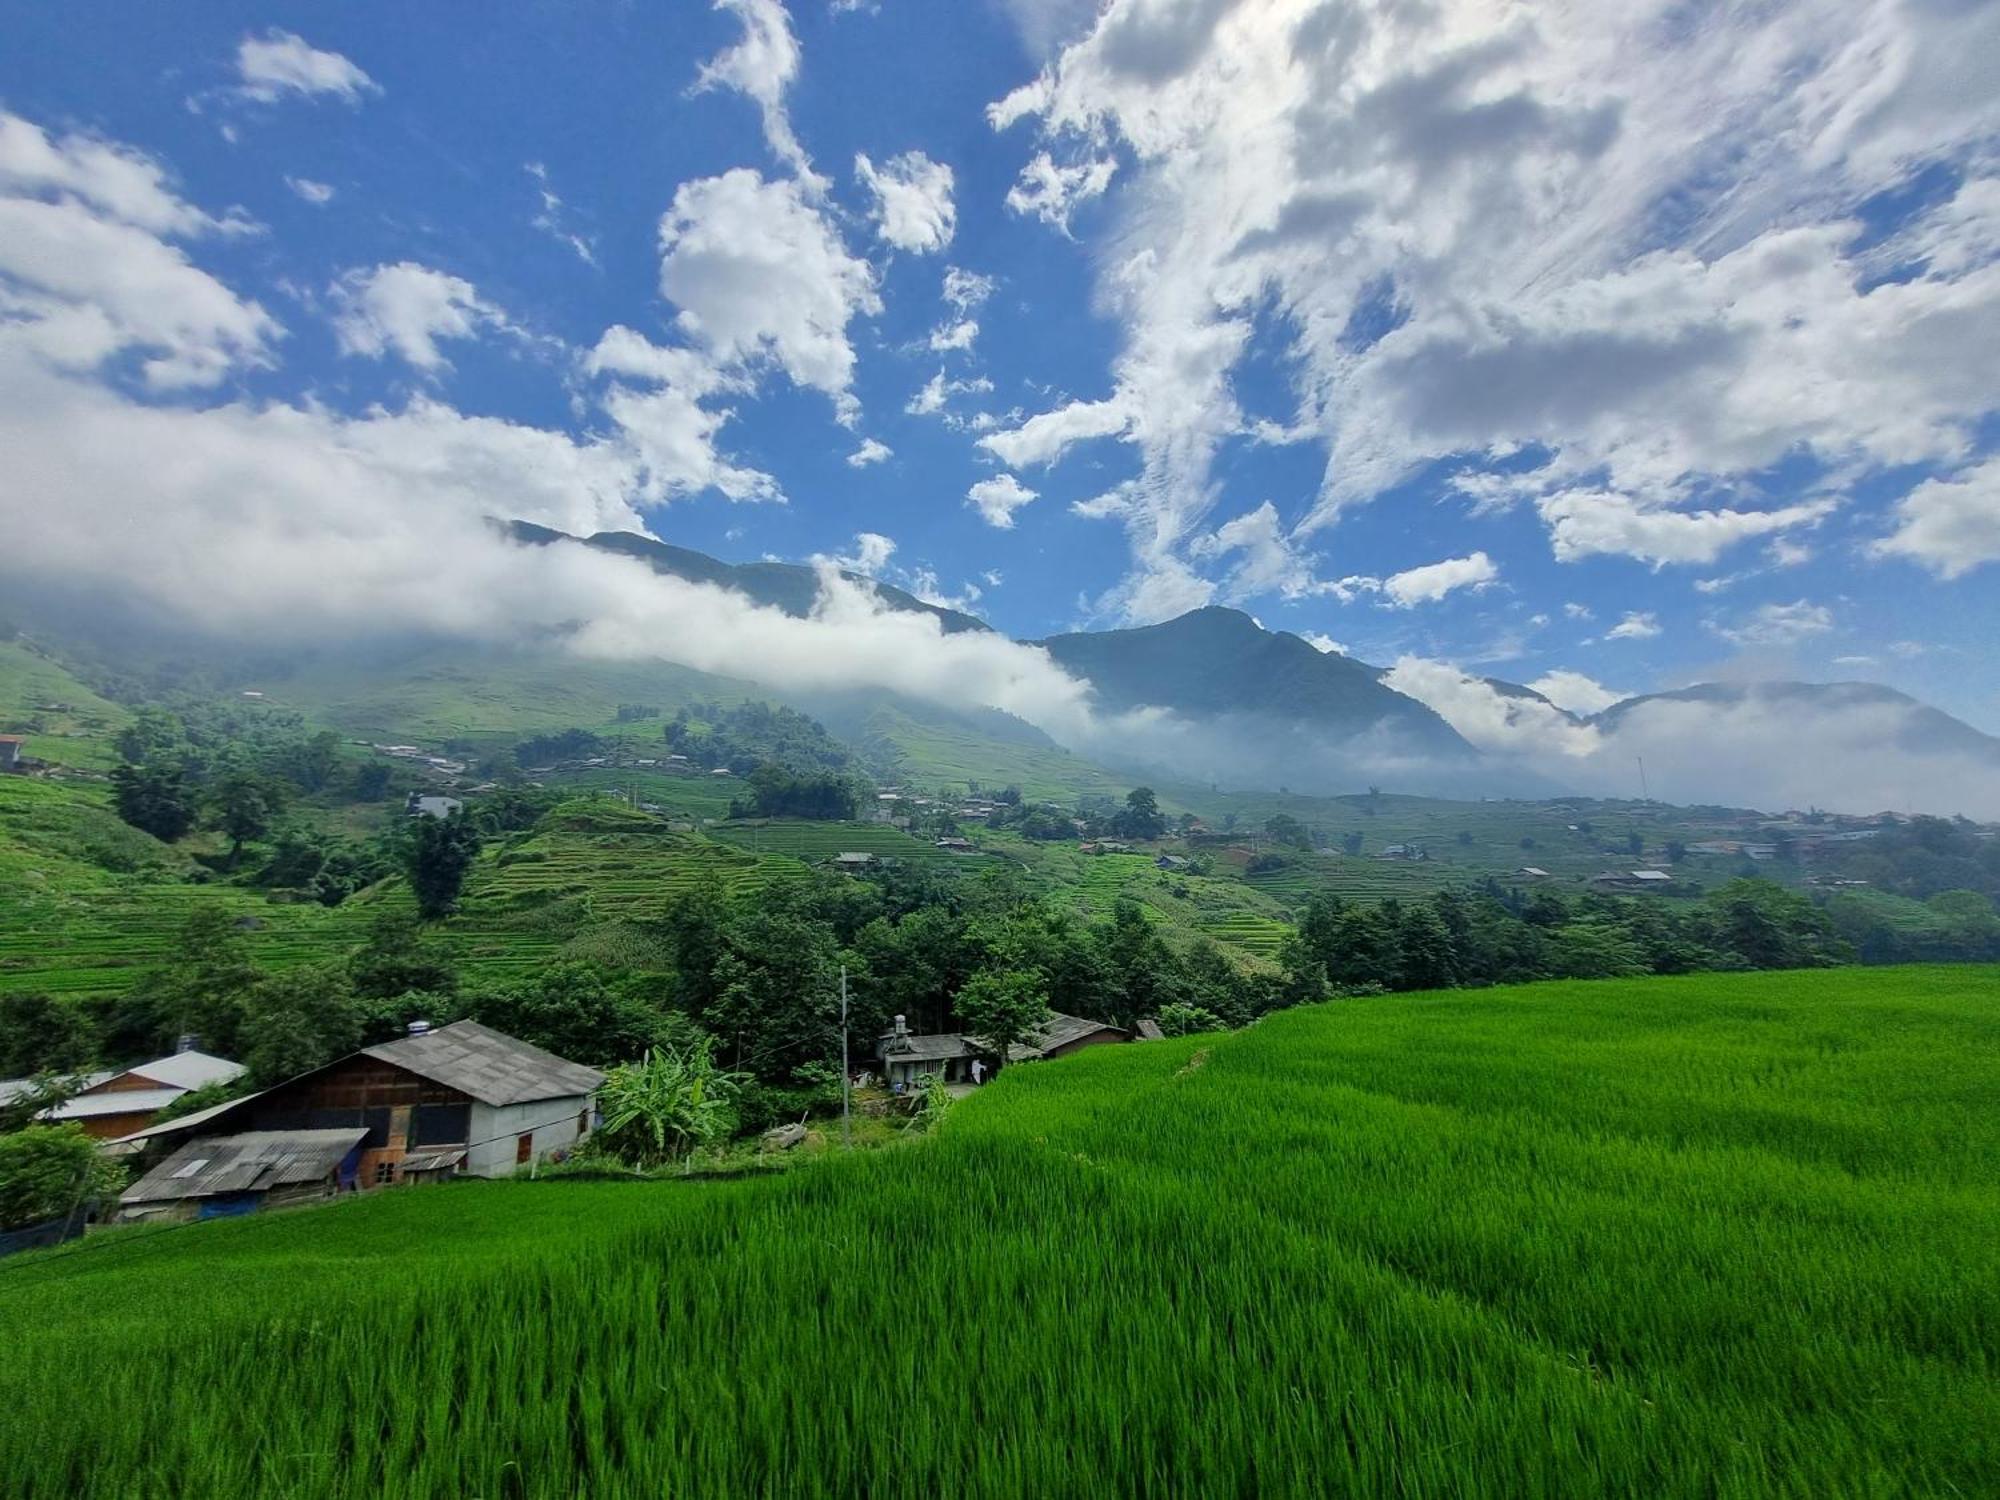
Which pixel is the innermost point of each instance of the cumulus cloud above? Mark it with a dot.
(406, 309)
(1637, 625)
(1045, 438)
(1869, 752)
(318, 194)
(762, 66)
(871, 451)
(913, 208)
(761, 277)
(1322, 642)
(88, 273)
(938, 391)
(656, 396)
(998, 498)
(1450, 216)
(1950, 525)
(280, 63)
(1430, 583)
(1777, 625)
(1576, 692)
(1052, 193)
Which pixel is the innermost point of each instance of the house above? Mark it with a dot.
(13, 747)
(1531, 872)
(239, 1174)
(852, 862)
(956, 845)
(432, 807)
(462, 1098)
(1171, 862)
(1149, 1030)
(1404, 851)
(115, 1102)
(1716, 846)
(1633, 880)
(906, 1057)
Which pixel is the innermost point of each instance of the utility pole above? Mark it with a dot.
(847, 1121)
(1644, 794)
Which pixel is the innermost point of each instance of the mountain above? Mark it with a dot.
(1219, 663)
(791, 587)
(1913, 727)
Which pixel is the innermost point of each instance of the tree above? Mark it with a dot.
(400, 956)
(200, 992)
(1003, 1007)
(1288, 830)
(41, 1034)
(297, 1021)
(242, 805)
(155, 799)
(1186, 1020)
(441, 853)
(570, 1010)
(1427, 958)
(47, 1170)
(666, 1104)
(1140, 818)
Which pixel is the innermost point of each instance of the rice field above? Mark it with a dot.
(1723, 1236)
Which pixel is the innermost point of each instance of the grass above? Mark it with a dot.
(1719, 1236)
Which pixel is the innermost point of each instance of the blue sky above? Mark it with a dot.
(1570, 348)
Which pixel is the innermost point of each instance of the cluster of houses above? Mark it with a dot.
(961, 1058)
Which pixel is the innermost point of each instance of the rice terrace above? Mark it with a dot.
(1718, 1235)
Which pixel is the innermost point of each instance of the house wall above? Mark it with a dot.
(1101, 1038)
(496, 1132)
(112, 1127)
(361, 1091)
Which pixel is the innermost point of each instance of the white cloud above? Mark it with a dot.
(913, 208)
(998, 498)
(1576, 611)
(1576, 692)
(761, 277)
(78, 287)
(871, 554)
(1585, 523)
(1267, 562)
(406, 308)
(1052, 193)
(1778, 625)
(109, 179)
(316, 193)
(1490, 719)
(1325, 643)
(947, 337)
(553, 219)
(672, 436)
(966, 290)
(1637, 625)
(1949, 525)
(1045, 438)
(1428, 584)
(280, 63)
(1450, 218)
(762, 65)
(939, 390)
(871, 451)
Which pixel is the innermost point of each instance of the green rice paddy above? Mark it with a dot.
(1722, 1236)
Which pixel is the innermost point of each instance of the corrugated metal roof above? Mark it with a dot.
(118, 1102)
(16, 1088)
(1058, 1031)
(255, 1161)
(490, 1066)
(938, 1047)
(189, 1070)
(185, 1123)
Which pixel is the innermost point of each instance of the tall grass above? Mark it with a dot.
(1722, 1236)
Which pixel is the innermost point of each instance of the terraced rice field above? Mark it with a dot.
(1721, 1237)
(816, 842)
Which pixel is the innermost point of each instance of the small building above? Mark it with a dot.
(1633, 880)
(852, 862)
(1531, 872)
(13, 749)
(1404, 851)
(432, 807)
(462, 1098)
(906, 1057)
(1171, 862)
(114, 1102)
(1149, 1030)
(956, 845)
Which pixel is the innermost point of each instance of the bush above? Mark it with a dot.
(47, 1170)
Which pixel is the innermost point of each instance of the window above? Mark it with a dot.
(582, 1124)
(385, 1173)
(192, 1167)
(524, 1149)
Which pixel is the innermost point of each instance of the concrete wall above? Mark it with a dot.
(496, 1132)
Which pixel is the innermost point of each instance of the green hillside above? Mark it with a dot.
(1713, 1236)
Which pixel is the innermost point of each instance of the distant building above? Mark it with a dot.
(432, 807)
(1531, 872)
(956, 845)
(906, 1058)
(437, 1103)
(1404, 851)
(854, 861)
(1171, 862)
(1633, 880)
(13, 747)
(117, 1101)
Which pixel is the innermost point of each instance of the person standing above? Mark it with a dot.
(978, 1072)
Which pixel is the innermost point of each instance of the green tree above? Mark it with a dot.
(1140, 818)
(439, 856)
(199, 992)
(1003, 1007)
(569, 1009)
(1427, 959)
(400, 956)
(1186, 1020)
(41, 1034)
(242, 806)
(661, 1107)
(47, 1170)
(297, 1021)
(155, 799)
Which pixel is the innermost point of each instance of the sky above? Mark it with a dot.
(1599, 347)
